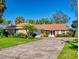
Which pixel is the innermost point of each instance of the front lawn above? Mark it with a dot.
(70, 51)
(8, 42)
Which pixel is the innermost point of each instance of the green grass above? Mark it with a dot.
(8, 42)
(70, 51)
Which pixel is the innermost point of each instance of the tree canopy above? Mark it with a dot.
(74, 6)
(19, 20)
(29, 28)
(2, 9)
(40, 21)
(75, 24)
(44, 21)
(60, 17)
(31, 21)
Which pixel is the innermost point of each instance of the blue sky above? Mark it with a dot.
(35, 9)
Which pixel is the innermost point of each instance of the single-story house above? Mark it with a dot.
(51, 29)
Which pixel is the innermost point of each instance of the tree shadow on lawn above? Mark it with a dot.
(73, 45)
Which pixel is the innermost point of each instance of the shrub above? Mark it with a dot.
(70, 34)
(21, 35)
(5, 33)
(64, 35)
(1, 32)
(60, 35)
(76, 34)
(10, 36)
(30, 37)
(44, 35)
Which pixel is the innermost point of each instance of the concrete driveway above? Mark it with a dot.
(43, 49)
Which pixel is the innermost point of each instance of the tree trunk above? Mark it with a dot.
(74, 33)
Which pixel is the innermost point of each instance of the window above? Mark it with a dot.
(63, 31)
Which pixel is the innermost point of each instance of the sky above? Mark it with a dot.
(36, 9)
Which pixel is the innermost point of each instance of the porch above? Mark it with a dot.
(46, 33)
(50, 33)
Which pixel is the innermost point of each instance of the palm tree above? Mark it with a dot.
(2, 9)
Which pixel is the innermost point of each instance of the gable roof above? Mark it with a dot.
(47, 26)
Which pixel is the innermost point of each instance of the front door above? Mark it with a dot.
(52, 34)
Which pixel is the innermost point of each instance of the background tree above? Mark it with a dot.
(2, 9)
(1, 20)
(31, 21)
(19, 20)
(60, 17)
(43, 21)
(6, 22)
(29, 29)
(74, 26)
(51, 21)
(37, 22)
(74, 6)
